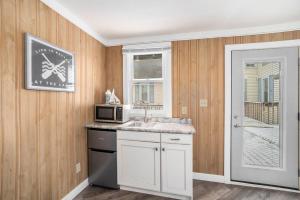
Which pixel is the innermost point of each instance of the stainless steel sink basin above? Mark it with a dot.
(140, 124)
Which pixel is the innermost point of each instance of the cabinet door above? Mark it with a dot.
(139, 164)
(177, 169)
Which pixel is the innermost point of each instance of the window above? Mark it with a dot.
(266, 90)
(147, 78)
(259, 85)
(246, 90)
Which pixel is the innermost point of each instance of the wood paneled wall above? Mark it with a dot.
(198, 73)
(114, 70)
(42, 133)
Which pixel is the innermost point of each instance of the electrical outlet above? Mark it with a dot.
(184, 110)
(203, 103)
(78, 168)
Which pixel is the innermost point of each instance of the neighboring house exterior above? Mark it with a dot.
(148, 81)
(262, 91)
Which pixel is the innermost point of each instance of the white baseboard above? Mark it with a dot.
(209, 177)
(71, 195)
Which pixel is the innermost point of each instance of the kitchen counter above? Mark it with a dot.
(155, 125)
(101, 125)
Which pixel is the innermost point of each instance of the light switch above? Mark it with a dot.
(78, 168)
(183, 110)
(203, 103)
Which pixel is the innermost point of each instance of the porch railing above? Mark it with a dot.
(266, 112)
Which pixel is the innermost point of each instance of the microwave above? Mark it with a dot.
(111, 113)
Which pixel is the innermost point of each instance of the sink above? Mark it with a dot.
(141, 124)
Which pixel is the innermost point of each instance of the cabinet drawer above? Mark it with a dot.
(102, 139)
(176, 138)
(138, 136)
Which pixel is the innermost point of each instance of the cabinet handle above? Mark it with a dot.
(163, 149)
(100, 138)
(175, 139)
(156, 149)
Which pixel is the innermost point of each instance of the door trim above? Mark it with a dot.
(227, 117)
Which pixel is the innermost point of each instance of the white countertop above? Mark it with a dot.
(171, 125)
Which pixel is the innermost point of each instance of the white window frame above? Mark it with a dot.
(129, 52)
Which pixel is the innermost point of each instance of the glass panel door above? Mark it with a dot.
(264, 136)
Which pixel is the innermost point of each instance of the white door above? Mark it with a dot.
(139, 164)
(264, 146)
(176, 165)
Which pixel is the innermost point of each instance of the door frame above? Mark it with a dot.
(228, 93)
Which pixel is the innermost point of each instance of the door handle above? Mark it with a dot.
(253, 126)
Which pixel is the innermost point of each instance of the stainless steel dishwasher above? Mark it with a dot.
(102, 158)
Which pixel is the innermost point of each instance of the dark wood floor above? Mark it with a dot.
(202, 190)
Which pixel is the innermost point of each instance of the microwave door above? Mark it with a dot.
(105, 113)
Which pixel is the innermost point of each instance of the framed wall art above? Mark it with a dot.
(48, 67)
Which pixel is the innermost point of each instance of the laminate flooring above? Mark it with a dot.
(203, 190)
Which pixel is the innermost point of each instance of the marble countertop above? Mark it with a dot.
(157, 125)
(102, 125)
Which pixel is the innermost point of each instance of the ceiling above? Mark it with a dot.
(127, 19)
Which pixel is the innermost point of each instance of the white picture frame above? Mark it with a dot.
(47, 66)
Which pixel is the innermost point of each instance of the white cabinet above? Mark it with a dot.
(154, 163)
(176, 166)
(139, 164)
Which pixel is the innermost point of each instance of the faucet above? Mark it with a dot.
(144, 104)
(145, 117)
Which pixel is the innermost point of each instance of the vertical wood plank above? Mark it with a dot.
(71, 116)
(28, 111)
(82, 137)
(276, 36)
(184, 83)
(212, 102)
(103, 76)
(290, 35)
(100, 74)
(8, 99)
(114, 68)
(90, 79)
(97, 68)
(203, 112)
(47, 122)
(298, 34)
(1, 121)
(220, 104)
(77, 103)
(62, 119)
(194, 96)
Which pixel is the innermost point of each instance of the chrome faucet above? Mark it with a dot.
(145, 105)
(145, 117)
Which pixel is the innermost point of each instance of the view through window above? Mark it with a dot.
(147, 81)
